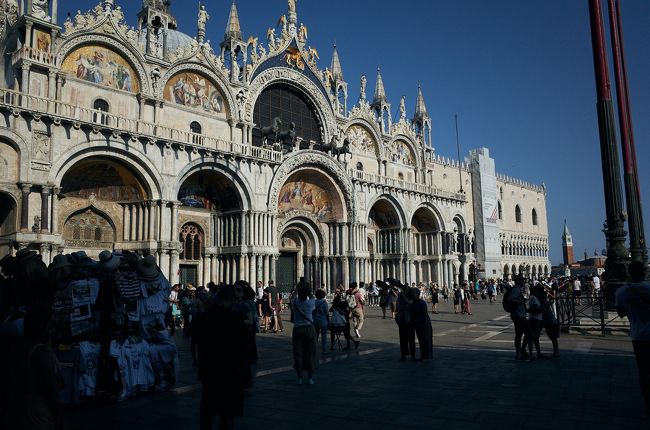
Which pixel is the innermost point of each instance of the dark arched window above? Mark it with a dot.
(100, 117)
(291, 106)
(360, 166)
(195, 127)
(517, 213)
(400, 176)
(191, 238)
(500, 210)
(534, 217)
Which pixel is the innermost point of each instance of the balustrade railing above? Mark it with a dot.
(35, 55)
(55, 108)
(406, 185)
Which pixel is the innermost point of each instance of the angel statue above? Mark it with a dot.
(40, 9)
(363, 87)
(292, 7)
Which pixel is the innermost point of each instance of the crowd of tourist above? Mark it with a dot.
(105, 329)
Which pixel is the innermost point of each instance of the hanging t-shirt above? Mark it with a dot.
(140, 368)
(164, 359)
(89, 362)
(117, 350)
(69, 366)
(153, 303)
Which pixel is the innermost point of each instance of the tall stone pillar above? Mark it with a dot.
(164, 265)
(273, 268)
(346, 272)
(324, 273)
(266, 269)
(252, 272)
(55, 209)
(24, 207)
(206, 270)
(45, 209)
(173, 262)
(45, 253)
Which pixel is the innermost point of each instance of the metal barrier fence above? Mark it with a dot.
(590, 311)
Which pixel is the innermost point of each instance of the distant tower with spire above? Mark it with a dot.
(380, 104)
(338, 84)
(422, 120)
(567, 246)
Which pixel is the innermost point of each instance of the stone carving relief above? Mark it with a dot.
(41, 146)
(361, 139)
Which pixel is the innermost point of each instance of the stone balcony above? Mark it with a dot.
(371, 178)
(17, 102)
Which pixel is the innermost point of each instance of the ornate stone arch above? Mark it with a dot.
(93, 240)
(283, 75)
(434, 209)
(461, 219)
(217, 79)
(239, 181)
(393, 201)
(134, 57)
(413, 146)
(312, 225)
(130, 156)
(320, 161)
(372, 128)
(24, 155)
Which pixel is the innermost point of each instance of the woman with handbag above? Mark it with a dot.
(341, 306)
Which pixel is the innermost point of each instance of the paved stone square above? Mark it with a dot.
(472, 383)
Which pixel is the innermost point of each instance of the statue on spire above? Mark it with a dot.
(293, 17)
(201, 22)
(402, 108)
(292, 7)
(40, 9)
(362, 96)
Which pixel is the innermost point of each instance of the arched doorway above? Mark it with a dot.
(506, 272)
(311, 215)
(384, 230)
(299, 258)
(212, 220)
(7, 221)
(424, 245)
(103, 203)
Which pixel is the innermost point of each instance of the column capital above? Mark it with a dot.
(25, 187)
(46, 189)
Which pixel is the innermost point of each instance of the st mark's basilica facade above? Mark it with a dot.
(245, 160)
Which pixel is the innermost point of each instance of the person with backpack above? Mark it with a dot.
(404, 320)
(515, 304)
(536, 307)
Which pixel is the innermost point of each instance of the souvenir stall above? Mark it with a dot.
(109, 330)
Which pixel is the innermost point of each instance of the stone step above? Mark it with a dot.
(608, 315)
(593, 330)
(616, 322)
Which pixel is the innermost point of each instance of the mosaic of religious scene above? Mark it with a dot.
(43, 40)
(401, 153)
(208, 191)
(101, 66)
(103, 180)
(361, 138)
(195, 91)
(301, 193)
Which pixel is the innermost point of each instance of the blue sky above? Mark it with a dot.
(519, 74)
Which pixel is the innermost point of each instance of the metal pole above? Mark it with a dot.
(630, 175)
(460, 177)
(616, 263)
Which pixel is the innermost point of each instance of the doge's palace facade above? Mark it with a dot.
(242, 161)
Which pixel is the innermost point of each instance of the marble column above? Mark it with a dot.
(243, 267)
(226, 269)
(24, 207)
(266, 269)
(346, 272)
(173, 262)
(213, 269)
(55, 210)
(324, 273)
(164, 264)
(174, 226)
(273, 268)
(206, 270)
(45, 253)
(252, 272)
(45, 209)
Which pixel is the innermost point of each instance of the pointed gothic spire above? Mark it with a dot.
(566, 230)
(233, 29)
(420, 107)
(380, 92)
(337, 71)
